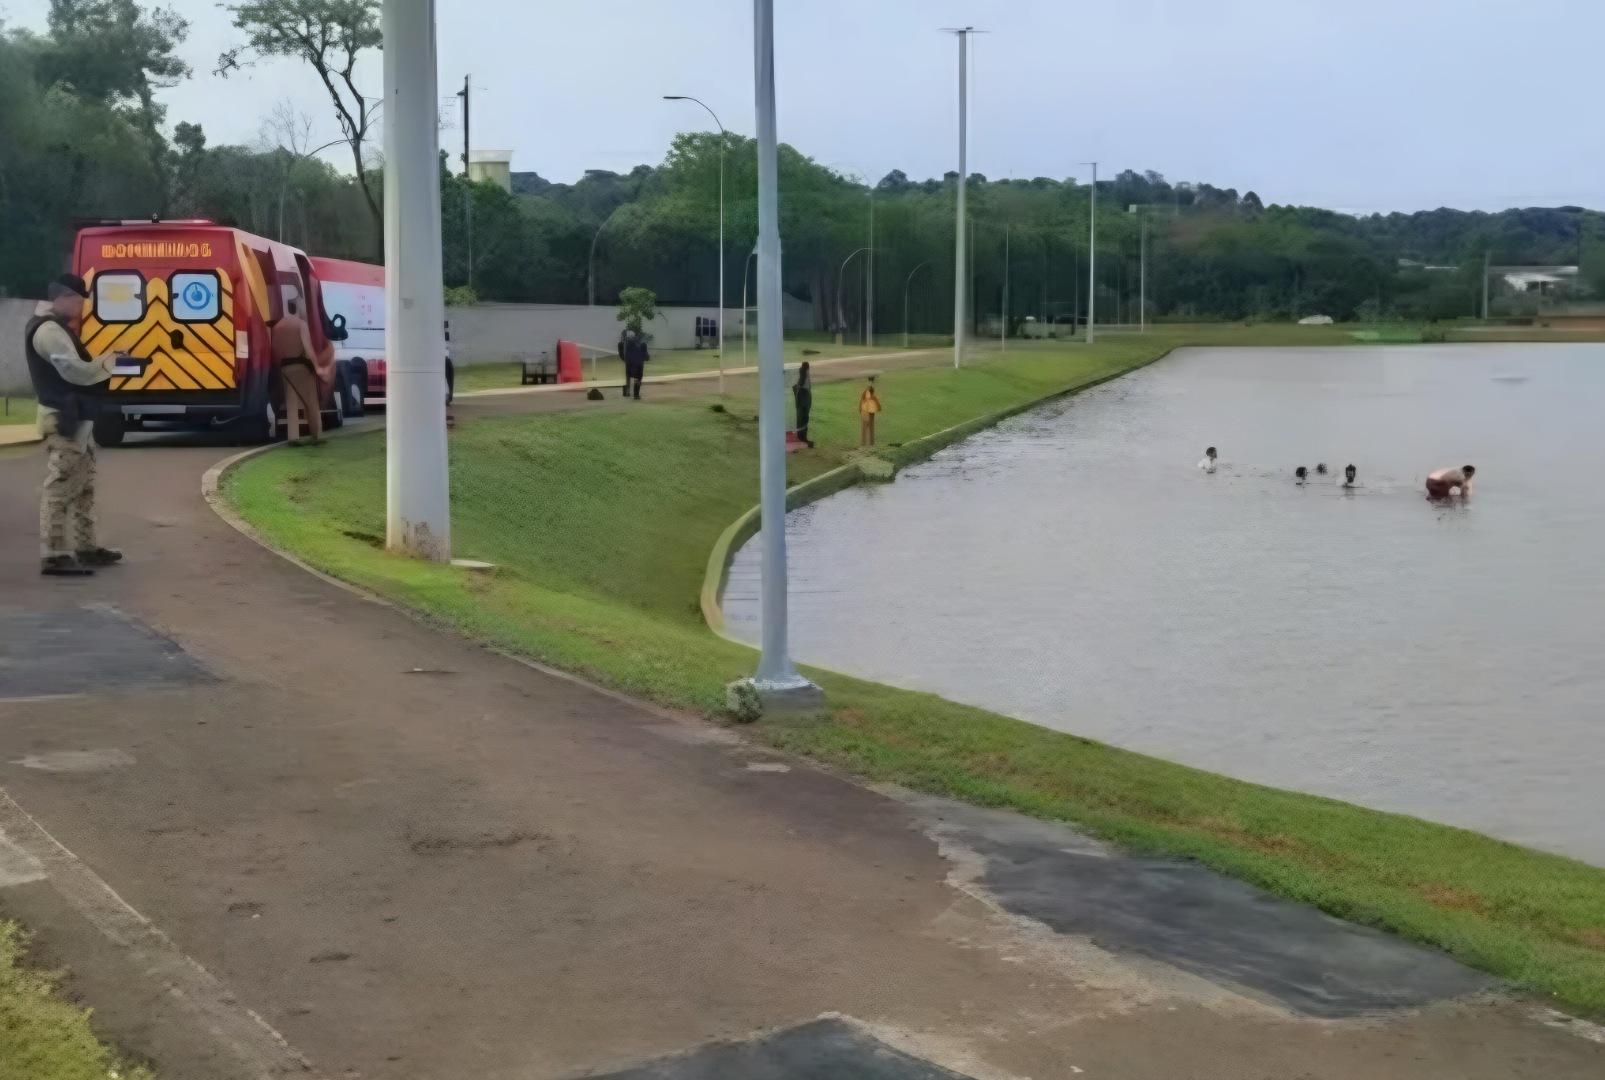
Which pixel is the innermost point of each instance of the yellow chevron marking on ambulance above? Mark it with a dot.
(203, 359)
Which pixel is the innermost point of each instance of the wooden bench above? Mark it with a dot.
(542, 369)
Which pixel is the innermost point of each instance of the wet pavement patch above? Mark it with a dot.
(825, 1049)
(89, 650)
(1191, 917)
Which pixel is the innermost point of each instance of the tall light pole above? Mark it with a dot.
(590, 263)
(417, 490)
(777, 685)
(906, 285)
(1003, 330)
(745, 266)
(1092, 258)
(1142, 267)
(963, 35)
(840, 319)
(869, 276)
(722, 141)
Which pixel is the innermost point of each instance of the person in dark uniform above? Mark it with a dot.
(803, 394)
(62, 370)
(635, 358)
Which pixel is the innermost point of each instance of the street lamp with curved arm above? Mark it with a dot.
(839, 319)
(906, 285)
(590, 264)
(722, 141)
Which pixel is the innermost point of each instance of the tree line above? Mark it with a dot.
(82, 135)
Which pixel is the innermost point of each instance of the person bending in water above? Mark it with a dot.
(1349, 473)
(1207, 462)
(1300, 475)
(1441, 483)
(1320, 469)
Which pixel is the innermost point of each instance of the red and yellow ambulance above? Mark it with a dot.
(193, 301)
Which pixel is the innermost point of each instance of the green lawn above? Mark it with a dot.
(17, 410)
(601, 524)
(41, 1036)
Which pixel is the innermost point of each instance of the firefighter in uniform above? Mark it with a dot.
(61, 368)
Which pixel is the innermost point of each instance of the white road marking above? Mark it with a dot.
(74, 761)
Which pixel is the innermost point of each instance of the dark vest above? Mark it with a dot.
(72, 405)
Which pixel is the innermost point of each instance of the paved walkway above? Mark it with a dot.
(272, 829)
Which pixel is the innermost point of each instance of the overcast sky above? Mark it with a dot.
(1357, 105)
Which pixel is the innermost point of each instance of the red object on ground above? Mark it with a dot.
(793, 443)
(568, 362)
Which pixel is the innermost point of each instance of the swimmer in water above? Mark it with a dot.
(1442, 483)
(1207, 462)
(1349, 473)
(1320, 468)
(1300, 475)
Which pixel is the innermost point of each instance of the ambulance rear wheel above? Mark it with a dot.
(110, 428)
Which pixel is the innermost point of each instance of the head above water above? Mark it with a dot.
(1301, 472)
(1469, 470)
(1320, 468)
(1349, 472)
(1210, 453)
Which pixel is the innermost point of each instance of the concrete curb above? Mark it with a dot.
(717, 573)
(19, 435)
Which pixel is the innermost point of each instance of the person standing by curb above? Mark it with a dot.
(803, 395)
(61, 368)
(869, 406)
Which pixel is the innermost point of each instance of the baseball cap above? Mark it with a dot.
(67, 283)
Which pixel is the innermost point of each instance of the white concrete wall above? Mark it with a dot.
(490, 333)
(14, 316)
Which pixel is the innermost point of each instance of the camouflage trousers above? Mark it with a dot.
(67, 501)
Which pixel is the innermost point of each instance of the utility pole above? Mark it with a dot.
(418, 502)
(777, 685)
(958, 228)
(1092, 260)
(468, 189)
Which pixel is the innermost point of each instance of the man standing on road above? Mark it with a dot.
(293, 353)
(61, 368)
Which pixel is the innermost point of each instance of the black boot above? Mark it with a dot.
(103, 556)
(63, 566)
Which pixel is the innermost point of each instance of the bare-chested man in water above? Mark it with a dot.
(1441, 483)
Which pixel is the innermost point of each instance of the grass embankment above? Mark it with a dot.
(610, 370)
(601, 523)
(41, 1036)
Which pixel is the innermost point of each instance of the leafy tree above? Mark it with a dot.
(637, 307)
(329, 35)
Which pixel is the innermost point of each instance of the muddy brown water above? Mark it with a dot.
(1075, 569)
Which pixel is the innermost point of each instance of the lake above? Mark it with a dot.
(1073, 568)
